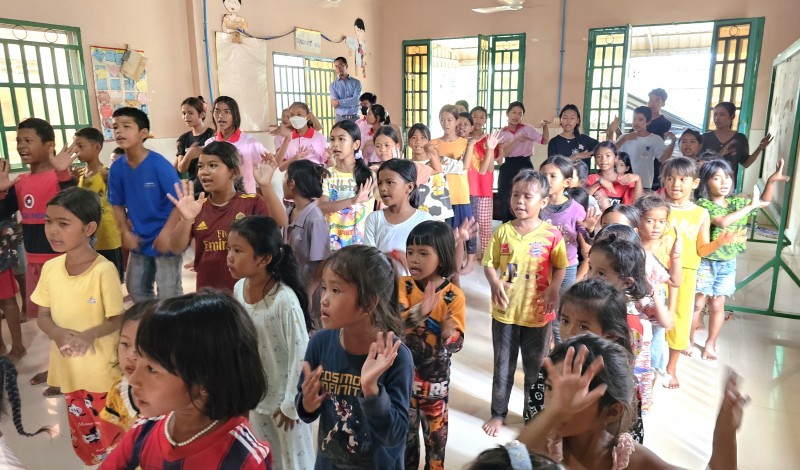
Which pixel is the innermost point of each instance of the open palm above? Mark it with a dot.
(188, 207)
(382, 354)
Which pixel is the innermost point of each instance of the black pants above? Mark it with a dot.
(508, 170)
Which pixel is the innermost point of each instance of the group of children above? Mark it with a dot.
(346, 300)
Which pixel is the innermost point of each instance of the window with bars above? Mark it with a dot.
(416, 74)
(508, 75)
(41, 75)
(729, 66)
(305, 79)
(605, 81)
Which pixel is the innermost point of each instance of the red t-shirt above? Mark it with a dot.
(620, 195)
(33, 192)
(210, 232)
(481, 185)
(230, 446)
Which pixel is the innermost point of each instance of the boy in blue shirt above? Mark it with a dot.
(138, 184)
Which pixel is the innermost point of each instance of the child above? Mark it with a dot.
(619, 189)
(516, 151)
(591, 306)
(432, 170)
(377, 118)
(271, 291)
(190, 143)
(571, 143)
(480, 176)
(525, 265)
(690, 143)
(580, 171)
(307, 232)
(227, 121)
(386, 145)
(564, 213)
(644, 147)
(347, 194)
(434, 323)
(732, 145)
(11, 252)
(716, 275)
(623, 164)
(662, 267)
(206, 220)
(692, 224)
(305, 141)
(621, 214)
(9, 389)
(620, 261)
(357, 377)
(120, 412)
(591, 399)
(138, 184)
(80, 304)
(479, 116)
(388, 229)
(87, 144)
(453, 146)
(193, 392)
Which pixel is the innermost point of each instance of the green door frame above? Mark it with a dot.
(484, 74)
(416, 68)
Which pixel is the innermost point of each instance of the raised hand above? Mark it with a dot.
(365, 192)
(627, 179)
(302, 153)
(64, 159)
(591, 220)
(765, 142)
(467, 230)
(677, 246)
(493, 139)
(188, 207)
(431, 150)
(263, 170)
(430, 298)
(313, 396)
(380, 358)
(733, 402)
(613, 126)
(194, 151)
(778, 175)
(5, 175)
(569, 392)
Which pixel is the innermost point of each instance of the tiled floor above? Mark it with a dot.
(764, 350)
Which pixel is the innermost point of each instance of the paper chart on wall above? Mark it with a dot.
(113, 90)
(242, 75)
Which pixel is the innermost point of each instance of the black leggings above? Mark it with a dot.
(508, 170)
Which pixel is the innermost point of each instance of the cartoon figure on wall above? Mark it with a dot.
(106, 110)
(358, 45)
(232, 22)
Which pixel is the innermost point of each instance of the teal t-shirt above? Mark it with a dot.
(738, 228)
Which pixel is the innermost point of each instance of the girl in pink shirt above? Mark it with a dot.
(516, 150)
(227, 121)
(306, 143)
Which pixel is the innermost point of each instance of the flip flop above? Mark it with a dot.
(39, 378)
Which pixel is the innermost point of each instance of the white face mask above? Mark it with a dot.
(298, 122)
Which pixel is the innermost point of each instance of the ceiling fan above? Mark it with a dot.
(508, 5)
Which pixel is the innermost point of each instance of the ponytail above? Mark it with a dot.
(362, 172)
(284, 268)
(9, 384)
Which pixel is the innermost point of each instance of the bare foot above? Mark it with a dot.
(688, 351)
(701, 325)
(493, 426)
(189, 266)
(39, 378)
(16, 354)
(467, 270)
(671, 382)
(710, 352)
(51, 392)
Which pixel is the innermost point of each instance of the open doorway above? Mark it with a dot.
(454, 75)
(674, 57)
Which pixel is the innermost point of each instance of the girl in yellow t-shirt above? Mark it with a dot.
(80, 302)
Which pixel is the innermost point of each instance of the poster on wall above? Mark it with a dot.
(242, 75)
(306, 40)
(358, 47)
(114, 90)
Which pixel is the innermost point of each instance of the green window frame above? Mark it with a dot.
(606, 66)
(305, 79)
(416, 83)
(507, 76)
(42, 75)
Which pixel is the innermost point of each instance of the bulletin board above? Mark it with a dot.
(114, 90)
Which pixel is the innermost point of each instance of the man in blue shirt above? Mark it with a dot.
(345, 92)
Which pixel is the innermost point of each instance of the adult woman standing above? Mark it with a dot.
(732, 145)
(193, 110)
(516, 150)
(227, 121)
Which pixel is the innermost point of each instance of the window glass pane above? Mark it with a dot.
(46, 55)
(61, 67)
(32, 64)
(52, 106)
(24, 111)
(3, 65)
(37, 97)
(66, 107)
(13, 155)
(6, 107)
(16, 63)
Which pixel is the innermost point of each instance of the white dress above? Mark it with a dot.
(282, 342)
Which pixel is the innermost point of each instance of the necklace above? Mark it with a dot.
(191, 439)
(681, 206)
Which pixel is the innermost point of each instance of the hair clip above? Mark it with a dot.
(519, 455)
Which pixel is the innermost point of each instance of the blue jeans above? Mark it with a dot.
(569, 280)
(145, 271)
(658, 348)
